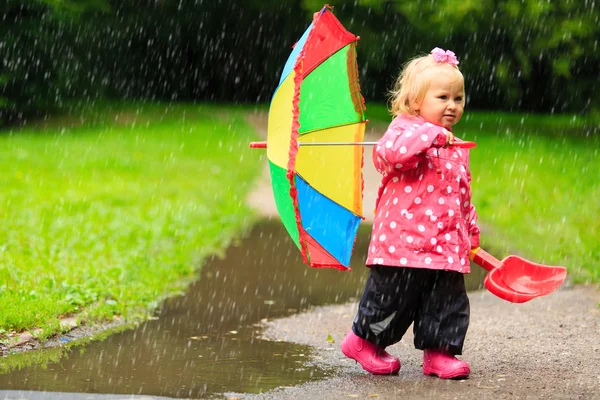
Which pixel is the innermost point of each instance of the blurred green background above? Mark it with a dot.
(124, 134)
(528, 55)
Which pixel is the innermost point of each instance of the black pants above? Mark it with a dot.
(436, 301)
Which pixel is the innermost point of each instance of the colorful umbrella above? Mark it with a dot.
(318, 189)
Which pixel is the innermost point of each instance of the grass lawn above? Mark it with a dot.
(109, 210)
(536, 185)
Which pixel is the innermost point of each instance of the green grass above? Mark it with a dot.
(109, 210)
(536, 185)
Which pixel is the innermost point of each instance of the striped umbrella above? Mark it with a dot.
(318, 189)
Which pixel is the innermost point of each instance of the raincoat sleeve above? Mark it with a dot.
(474, 231)
(473, 228)
(400, 149)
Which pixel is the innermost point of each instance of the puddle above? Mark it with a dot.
(203, 343)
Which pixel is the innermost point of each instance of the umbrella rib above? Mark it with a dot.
(302, 134)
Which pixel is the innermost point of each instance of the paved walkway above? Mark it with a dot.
(548, 348)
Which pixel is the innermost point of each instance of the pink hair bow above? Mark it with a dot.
(446, 56)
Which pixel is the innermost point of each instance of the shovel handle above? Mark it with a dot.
(484, 259)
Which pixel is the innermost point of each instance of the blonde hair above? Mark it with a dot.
(413, 82)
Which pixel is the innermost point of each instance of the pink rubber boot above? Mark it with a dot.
(444, 365)
(372, 358)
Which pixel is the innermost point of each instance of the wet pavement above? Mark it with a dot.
(207, 343)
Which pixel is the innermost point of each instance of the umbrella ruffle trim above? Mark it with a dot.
(291, 167)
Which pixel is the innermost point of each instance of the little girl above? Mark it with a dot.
(424, 227)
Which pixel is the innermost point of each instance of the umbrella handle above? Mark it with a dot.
(263, 145)
(484, 259)
(464, 144)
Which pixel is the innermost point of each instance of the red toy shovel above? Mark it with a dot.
(517, 280)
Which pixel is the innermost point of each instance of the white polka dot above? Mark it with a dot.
(466, 204)
(458, 178)
(385, 190)
(421, 177)
(424, 137)
(451, 213)
(392, 224)
(430, 165)
(447, 236)
(395, 200)
(462, 168)
(458, 201)
(463, 190)
(382, 238)
(403, 261)
(403, 150)
(456, 249)
(409, 216)
(409, 239)
(392, 249)
(433, 241)
(430, 188)
(373, 249)
(428, 124)
(433, 218)
(408, 189)
(408, 134)
(387, 214)
(395, 179)
(427, 260)
(417, 200)
(462, 261)
(448, 165)
(450, 260)
(440, 224)
(378, 147)
(435, 152)
(439, 249)
(398, 166)
(449, 189)
(388, 144)
(441, 200)
(428, 212)
(404, 211)
(421, 228)
(415, 125)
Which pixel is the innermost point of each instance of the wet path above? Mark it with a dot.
(205, 343)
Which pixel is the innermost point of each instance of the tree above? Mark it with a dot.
(531, 54)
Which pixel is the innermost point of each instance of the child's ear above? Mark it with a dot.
(415, 105)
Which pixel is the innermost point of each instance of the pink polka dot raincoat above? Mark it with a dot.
(424, 217)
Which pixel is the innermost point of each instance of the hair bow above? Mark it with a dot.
(444, 56)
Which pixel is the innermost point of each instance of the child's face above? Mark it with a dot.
(444, 101)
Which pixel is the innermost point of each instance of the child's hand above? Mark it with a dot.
(449, 137)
